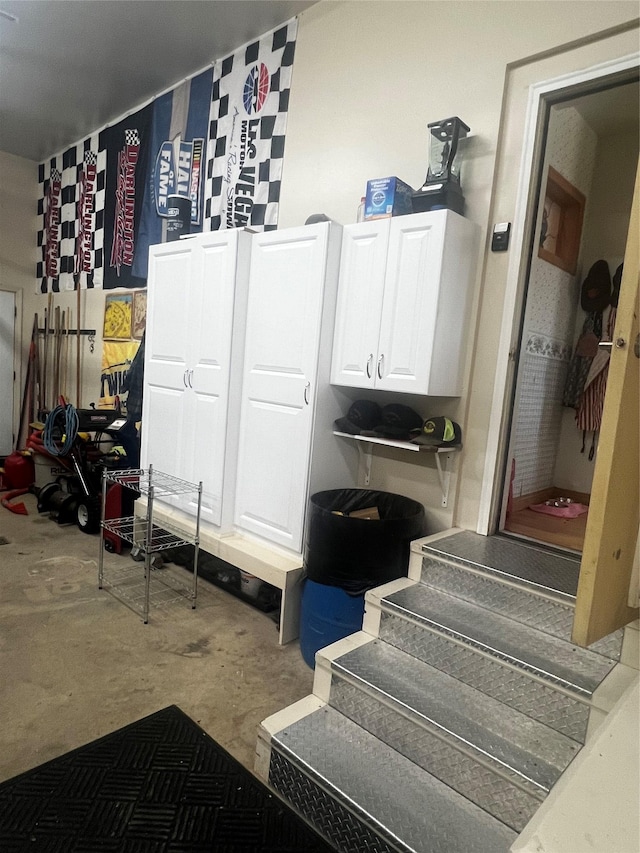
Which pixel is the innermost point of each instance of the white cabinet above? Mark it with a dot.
(403, 303)
(286, 446)
(193, 365)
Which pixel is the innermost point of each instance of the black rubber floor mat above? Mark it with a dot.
(159, 785)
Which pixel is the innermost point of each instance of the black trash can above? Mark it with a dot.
(346, 555)
(357, 554)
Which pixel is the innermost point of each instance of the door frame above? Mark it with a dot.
(541, 96)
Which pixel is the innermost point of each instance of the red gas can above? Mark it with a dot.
(19, 472)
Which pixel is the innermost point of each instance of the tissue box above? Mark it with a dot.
(387, 197)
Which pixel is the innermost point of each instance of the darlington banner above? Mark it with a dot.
(246, 133)
(127, 151)
(89, 208)
(70, 209)
(50, 218)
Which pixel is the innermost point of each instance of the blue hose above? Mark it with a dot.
(60, 430)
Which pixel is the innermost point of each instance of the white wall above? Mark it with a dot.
(17, 247)
(369, 76)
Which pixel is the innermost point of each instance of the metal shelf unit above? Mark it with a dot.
(140, 531)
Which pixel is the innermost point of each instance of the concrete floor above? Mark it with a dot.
(76, 664)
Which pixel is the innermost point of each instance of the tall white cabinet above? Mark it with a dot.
(403, 303)
(197, 292)
(286, 447)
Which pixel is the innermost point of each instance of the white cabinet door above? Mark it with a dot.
(404, 295)
(188, 345)
(410, 306)
(210, 329)
(167, 350)
(362, 271)
(281, 354)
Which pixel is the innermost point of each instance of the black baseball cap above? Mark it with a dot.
(439, 432)
(399, 422)
(362, 417)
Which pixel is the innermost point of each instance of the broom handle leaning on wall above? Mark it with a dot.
(56, 355)
(64, 338)
(45, 353)
(78, 303)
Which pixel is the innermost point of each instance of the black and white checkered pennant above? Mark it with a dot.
(247, 131)
(70, 208)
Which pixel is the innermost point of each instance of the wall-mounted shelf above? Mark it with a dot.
(442, 455)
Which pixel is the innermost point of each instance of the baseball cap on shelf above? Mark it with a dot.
(363, 416)
(399, 422)
(440, 432)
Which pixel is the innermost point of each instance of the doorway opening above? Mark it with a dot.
(585, 177)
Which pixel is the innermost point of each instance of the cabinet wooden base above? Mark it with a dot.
(266, 562)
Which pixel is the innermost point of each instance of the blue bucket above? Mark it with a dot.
(327, 614)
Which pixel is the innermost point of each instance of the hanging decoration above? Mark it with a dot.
(247, 131)
(127, 151)
(70, 207)
(586, 383)
(177, 165)
(50, 232)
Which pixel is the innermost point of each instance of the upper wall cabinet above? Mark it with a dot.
(403, 303)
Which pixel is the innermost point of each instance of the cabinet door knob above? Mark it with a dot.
(380, 363)
(369, 362)
(190, 377)
(307, 387)
(184, 378)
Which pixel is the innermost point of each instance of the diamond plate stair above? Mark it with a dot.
(447, 721)
(498, 758)
(347, 782)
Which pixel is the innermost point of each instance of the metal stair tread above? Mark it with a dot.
(507, 740)
(520, 602)
(550, 658)
(387, 791)
(518, 561)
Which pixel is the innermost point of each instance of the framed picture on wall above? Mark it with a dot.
(117, 316)
(139, 320)
(561, 226)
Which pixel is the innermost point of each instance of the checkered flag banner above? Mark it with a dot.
(247, 126)
(50, 224)
(70, 209)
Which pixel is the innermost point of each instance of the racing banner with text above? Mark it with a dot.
(249, 105)
(177, 163)
(127, 162)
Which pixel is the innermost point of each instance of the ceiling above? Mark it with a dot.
(69, 67)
